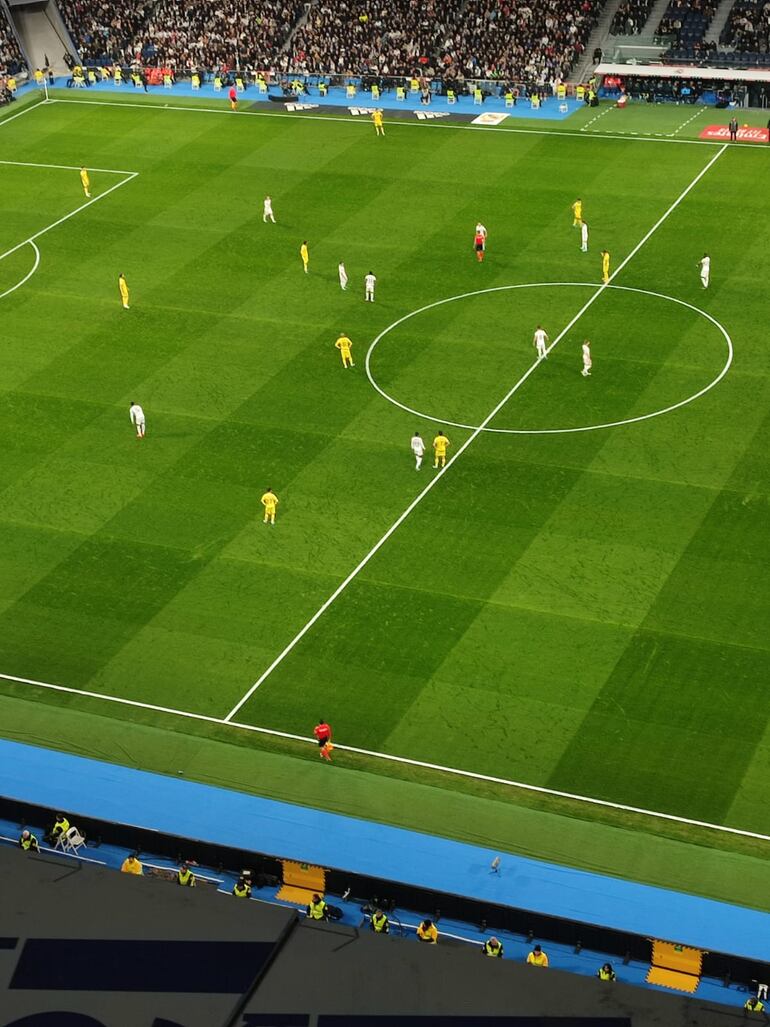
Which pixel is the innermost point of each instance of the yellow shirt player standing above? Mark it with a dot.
(270, 502)
(577, 210)
(304, 254)
(123, 286)
(344, 345)
(86, 182)
(379, 128)
(440, 444)
(605, 266)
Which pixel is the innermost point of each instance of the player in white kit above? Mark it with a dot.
(584, 237)
(540, 342)
(370, 282)
(418, 448)
(136, 414)
(705, 270)
(343, 276)
(586, 358)
(267, 210)
(481, 230)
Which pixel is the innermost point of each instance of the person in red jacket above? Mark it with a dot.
(323, 734)
(233, 98)
(479, 245)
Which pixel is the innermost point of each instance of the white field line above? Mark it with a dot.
(465, 125)
(26, 277)
(130, 176)
(471, 438)
(64, 167)
(25, 110)
(684, 124)
(596, 118)
(402, 760)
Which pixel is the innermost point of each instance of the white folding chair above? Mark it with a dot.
(71, 841)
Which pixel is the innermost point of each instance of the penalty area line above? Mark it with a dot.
(401, 760)
(470, 439)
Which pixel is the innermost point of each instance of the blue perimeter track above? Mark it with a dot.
(92, 788)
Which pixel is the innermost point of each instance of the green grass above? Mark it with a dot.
(584, 612)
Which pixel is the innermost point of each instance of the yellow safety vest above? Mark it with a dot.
(28, 843)
(758, 1008)
(491, 950)
(242, 891)
(317, 910)
(606, 975)
(60, 827)
(379, 923)
(187, 878)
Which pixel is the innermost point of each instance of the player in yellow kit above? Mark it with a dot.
(304, 254)
(577, 211)
(86, 182)
(379, 129)
(123, 286)
(270, 502)
(440, 444)
(605, 266)
(344, 344)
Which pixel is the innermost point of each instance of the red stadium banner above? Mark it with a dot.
(745, 135)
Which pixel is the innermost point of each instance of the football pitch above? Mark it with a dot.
(578, 603)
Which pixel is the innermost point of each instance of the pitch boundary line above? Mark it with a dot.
(403, 760)
(471, 438)
(552, 431)
(28, 275)
(64, 167)
(25, 110)
(576, 134)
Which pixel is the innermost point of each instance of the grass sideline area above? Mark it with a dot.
(585, 611)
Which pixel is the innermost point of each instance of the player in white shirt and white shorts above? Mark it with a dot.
(369, 282)
(136, 414)
(587, 364)
(267, 210)
(540, 342)
(343, 276)
(705, 270)
(418, 448)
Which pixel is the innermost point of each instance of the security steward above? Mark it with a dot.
(380, 923)
(60, 826)
(28, 842)
(185, 877)
(427, 932)
(606, 973)
(242, 889)
(316, 908)
(754, 1007)
(492, 947)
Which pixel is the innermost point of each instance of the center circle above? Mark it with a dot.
(556, 430)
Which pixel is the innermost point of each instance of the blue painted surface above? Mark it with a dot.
(551, 110)
(189, 809)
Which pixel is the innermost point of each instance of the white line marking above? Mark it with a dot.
(465, 125)
(404, 760)
(65, 167)
(684, 124)
(131, 175)
(551, 431)
(26, 110)
(28, 275)
(599, 115)
(471, 438)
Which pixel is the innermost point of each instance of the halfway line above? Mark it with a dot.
(471, 438)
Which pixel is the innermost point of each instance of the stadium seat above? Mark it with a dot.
(217, 84)
(351, 91)
(196, 82)
(375, 92)
(166, 81)
(478, 96)
(400, 93)
(509, 100)
(239, 86)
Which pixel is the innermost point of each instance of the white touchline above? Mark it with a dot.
(65, 167)
(471, 438)
(25, 110)
(465, 126)
(404, 760)
(130, 176)
(26, 277)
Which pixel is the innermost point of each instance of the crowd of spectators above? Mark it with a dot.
(748, 27)
(11, 60)
(438, 40)
(687, 20)
(631, 17)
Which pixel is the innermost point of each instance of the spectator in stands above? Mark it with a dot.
(537, 957)
(379, 922)
(11, 60)
(317, 908)
(492, 947)
(131, 865)
(242, 889)
(28, 842)
(427, 932)
(60, 826)
(606, 973)
(185, 877)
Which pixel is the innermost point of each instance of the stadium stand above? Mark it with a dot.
(11, 59)
(748, 30)
(631, 18)
(103, 31)
(687, 22)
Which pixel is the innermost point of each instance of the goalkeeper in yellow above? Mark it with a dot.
(440, 445)
(577, 213)
(270, 502)
(123, 286)
(86, 181)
